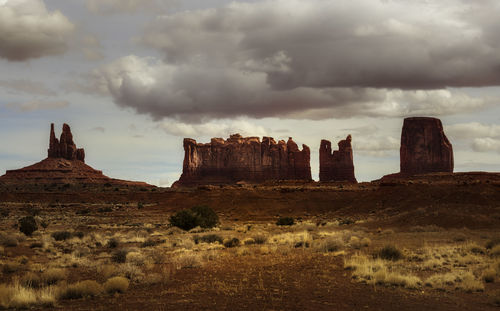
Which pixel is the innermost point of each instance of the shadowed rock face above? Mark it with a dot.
(336, 166)
(244, 159)
(424, 147)
(64, 147)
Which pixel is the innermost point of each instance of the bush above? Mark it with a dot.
(116, 284)
(209, 238)
(232, 242)
(113, 243)
(27, 225)
(120, 256)
(140, 205)
(492, 243)
(260, 239)
(8, 240)
(188, 219)
(61, 235)
(87, 288)
(53, 275)
(285, 221)
(150, 243)
(390, 252)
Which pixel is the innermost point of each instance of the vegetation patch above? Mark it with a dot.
(202, 216)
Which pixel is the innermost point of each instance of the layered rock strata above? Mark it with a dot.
(337, 165)
(243, 159)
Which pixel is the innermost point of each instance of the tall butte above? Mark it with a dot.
(424, 147)
(243, 159)
(337, 165)
(65, 163)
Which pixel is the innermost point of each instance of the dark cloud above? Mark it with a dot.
(194, 93)
(363, 43)
(313, 59)
(28, 30)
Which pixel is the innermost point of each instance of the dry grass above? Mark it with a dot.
(116, 284)
(53, 275)
(329, 244)
(376, 271)
(495, 251)
(18, 296)
(87, 288)
(187, 259)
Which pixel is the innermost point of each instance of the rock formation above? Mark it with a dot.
(424, 147)
(336, 166)
(243, 159)
(64, 147)
(64, 165)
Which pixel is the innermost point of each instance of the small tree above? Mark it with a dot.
(285, 221)
(27, 225)
(188, 219)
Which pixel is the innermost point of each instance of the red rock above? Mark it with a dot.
(64, 147)
(424, 147)
(64, 165)
(336, 166)
(243, 159)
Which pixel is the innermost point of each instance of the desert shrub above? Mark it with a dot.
(495, 250)
(489, 275)
(328, 245)
(8, 240)
(4, 212)
(78, 234)
(209, 238)
(346, 221)
(107, 271)
(105, 209)
(460, 237)
(140, 205)
(61, 235)
(150, 243)
(231, 242)
(87, 288)
(285, 221)
(202, 216)
(492, 243)
(187, 260)
(112, 243)
(27, 225)
(119, 256)
(260, 239)
(11, 267)
(116, 284)
(53, 275)
(390, 252)
(36, 245)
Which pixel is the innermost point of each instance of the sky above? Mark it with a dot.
(134, 77)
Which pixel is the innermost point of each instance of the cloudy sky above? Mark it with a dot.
(134, 77)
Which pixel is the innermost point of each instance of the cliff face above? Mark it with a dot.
(424, 147)
(244, 159)
(336, 166)
(64, 147)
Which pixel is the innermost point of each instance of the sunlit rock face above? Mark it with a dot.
(424, 147)
(244, 159)
(337, 165)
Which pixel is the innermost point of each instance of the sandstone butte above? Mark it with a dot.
(336, 166)
(424, 148)
(64, 164)
(243, 159)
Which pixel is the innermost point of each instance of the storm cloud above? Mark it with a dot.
(194, 93)
(313, 59)
(28, 30)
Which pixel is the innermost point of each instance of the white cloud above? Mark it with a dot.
(27, 87)
(486, 144)
(28, 30)
(221, 128)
